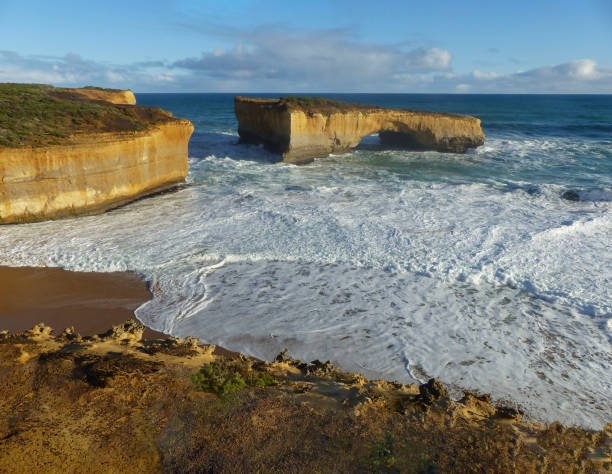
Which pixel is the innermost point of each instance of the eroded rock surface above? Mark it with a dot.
(116, 403)
(101, 172)
(301, 129)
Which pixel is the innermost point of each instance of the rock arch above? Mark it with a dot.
(301, 129)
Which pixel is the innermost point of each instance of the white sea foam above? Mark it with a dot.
(484, 285)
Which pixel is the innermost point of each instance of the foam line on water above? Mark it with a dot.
(426, 267)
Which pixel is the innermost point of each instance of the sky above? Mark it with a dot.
(445, 46)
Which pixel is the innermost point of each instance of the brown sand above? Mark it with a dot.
(91, 302)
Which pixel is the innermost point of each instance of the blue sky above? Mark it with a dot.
(314, 46)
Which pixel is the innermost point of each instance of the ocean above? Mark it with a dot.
(490, 270)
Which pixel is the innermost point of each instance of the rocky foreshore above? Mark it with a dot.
(70, 152)
(303, 128)
(117, 403)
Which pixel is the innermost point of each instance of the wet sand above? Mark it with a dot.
(91, 302)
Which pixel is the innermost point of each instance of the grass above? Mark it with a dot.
(105, 89)
(41, 115)
(213, 378)
(320, 104)
(381, 454)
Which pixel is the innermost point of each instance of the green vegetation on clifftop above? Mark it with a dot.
(320, 104)
(39, 115)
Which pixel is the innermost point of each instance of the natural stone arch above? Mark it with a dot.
(303, 129)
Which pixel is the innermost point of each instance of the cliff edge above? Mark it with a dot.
(304, 128)
(114, 96)
(116, 403)
(70, 152)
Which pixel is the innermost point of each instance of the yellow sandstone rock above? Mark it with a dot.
(302, 129)
(114, 96)
(88, 172)
(100, 172)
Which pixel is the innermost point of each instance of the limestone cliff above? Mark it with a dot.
(98, 173)
(302, 129)
(62, 167)
(114, 96)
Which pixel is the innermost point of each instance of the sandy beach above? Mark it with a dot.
(91, 302)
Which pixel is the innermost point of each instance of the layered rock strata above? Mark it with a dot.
(98, 173)
(87, 173)
(301, 129)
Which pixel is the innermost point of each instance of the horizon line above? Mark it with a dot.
(380, 93)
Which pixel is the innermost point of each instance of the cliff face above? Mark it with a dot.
(97, 173)
(303, 129)
(113, 96)
(68, 152)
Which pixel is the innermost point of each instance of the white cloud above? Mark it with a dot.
(484, 75)
(164, 77)
(13, 74)
(577, 76)
(278, 61)
(74, 70)
(329, 59)
(580, 75)
(433, 59)
(114, 77)
(583, 69)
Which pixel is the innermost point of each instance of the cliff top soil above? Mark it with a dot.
(327, 106)
(115, 403)
(38, 115)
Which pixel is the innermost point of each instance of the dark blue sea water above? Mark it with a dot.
(491, 270)
(568, 137)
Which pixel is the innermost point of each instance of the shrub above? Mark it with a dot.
(262, 379)
(213, 378)
(230, 376)
(320, 104)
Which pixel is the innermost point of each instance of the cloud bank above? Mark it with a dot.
(579, 76)
(329, 60)
(272, 59)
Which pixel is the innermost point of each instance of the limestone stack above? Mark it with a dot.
(301, 129)
(93, 172)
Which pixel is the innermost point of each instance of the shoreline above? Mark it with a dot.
(91, 302)
(138, 389)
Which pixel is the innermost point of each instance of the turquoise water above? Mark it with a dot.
(491, 270)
